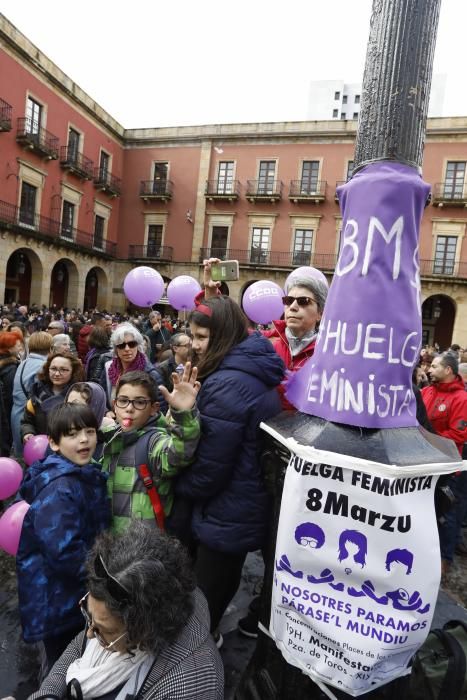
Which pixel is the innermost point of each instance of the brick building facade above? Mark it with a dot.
(83, 200)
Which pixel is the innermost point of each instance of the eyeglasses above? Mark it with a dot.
(184, 345)
(130, 344)
(59, 370)
(84, 611)
(139, 404)
(301, 301)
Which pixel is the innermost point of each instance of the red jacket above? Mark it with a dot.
(83, 347)
(279, 340)
(446, 406)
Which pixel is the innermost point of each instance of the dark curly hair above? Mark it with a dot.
(155, 571)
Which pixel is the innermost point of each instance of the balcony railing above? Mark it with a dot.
(107, 182)
(30, 135)
(443, 268)
(339, 183)
(156, 190)
(151, 251)
(222, 190)
(26, 221)
(307, 191)
(5, 115)
(452, 194)
(264, 190)
(76, 163)
(271, 258)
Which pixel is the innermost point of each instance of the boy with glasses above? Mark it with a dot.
(144, 438)
(69, 507)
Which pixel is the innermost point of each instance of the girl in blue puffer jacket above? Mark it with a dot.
(239, 373)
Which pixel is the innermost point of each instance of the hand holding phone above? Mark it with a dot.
(225, 271)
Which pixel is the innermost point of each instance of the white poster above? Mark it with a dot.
(357, 569)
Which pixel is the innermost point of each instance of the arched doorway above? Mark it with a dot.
(91, 289)
(438, 315)
(64, 284)
(18, 278)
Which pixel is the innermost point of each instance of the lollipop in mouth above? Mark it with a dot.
(126, 422)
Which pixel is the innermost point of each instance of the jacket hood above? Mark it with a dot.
(98, 400)
(256, 356)
(85, 330)
(43, 472)
(449, 387)
(8, 360)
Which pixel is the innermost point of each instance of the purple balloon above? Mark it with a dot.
(143, 286)
(11, 523)
(10, 477)
(305, 273)
(35, 448)
(262, 301)
(181, 292)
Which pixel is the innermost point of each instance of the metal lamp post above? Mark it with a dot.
(336, 416)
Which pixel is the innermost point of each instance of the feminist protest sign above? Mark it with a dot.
(370, 333)
(351, 599)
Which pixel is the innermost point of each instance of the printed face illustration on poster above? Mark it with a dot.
(351, 600)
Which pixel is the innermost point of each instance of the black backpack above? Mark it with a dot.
(439, 666)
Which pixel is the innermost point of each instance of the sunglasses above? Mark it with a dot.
(139, 404)
(301, 301)
(116, 589)
(131, 344)
(85, 613)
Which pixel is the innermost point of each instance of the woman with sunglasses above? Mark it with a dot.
(127, 345)
(147, 626)
(294, 338)
(60, 371)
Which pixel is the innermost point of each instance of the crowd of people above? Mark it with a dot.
(151, 495)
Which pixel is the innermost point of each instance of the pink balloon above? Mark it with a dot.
(181, 292)
(11, 523)
(143, 286)
(10, 477)
(305, 273)
(262, 301)
(35, 448)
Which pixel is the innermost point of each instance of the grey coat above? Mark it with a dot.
(189, 669)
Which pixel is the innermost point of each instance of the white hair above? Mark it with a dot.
(60, 339)
(123, 329)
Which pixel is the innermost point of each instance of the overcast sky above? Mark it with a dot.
(169, 63)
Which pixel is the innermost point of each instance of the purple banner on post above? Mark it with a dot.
(370, 333)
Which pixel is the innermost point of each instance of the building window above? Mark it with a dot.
(445, 255)
(267, 174)
(68, 217)
(309, 179)
(33, 116)
(260, 245)
(74, 138)
(161, 171)
(155, 233)
(302, 246)
(344, 99)
(343, 115)
(219, 238)
(104, 165)
(27, 207)
(225, 177)
(349, 170)
(335, 113)
(337, 95)
(357, 99)
(454, 183)
(99, 226)
(355, 115)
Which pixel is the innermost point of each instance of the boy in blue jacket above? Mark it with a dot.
(69, 506)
